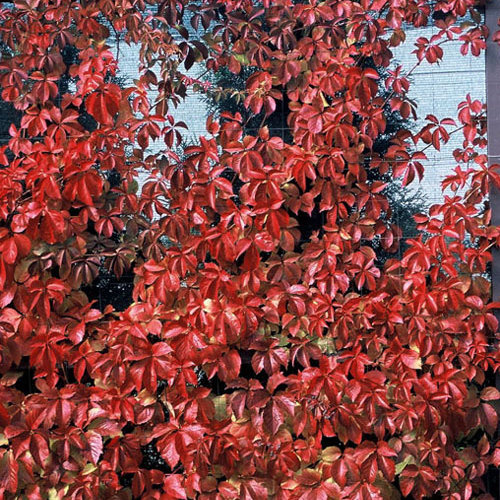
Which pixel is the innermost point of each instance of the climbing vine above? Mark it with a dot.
(254, 359)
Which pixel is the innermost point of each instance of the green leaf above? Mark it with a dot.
(241, 58)
(88, 469)
(400, 467)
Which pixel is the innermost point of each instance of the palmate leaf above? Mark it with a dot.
(277, 325)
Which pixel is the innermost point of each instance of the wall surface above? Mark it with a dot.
(438, 89)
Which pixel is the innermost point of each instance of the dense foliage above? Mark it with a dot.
(249, 364)
(227, 93)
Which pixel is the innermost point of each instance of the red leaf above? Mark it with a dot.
(257, 399)
(52, 226)
(169, 452)
(264, 241)
(309, 477)
(95, 445)
(39, 449)
(104, 104)
(172, 487)
(406, 485)
(8, 472)
(4, 416)
(489, 417)
(9, 251)
(490, 394)
(369, 469)
(273, 417)
(252, 490)
(411, 359)
(229, 366)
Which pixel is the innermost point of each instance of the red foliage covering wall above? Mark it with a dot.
(257, 365)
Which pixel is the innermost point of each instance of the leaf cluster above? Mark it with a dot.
(257, 360)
